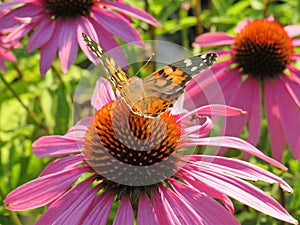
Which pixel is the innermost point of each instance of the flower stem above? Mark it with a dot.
(266, 8)
(32, 114)
(197, 12)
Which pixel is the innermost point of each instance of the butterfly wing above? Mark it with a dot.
(175, 76)
(114, 71)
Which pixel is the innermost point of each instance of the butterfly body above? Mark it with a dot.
(158, 92)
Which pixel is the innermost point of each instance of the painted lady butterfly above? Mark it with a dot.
(156, 93)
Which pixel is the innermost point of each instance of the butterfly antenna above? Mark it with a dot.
(145, 64)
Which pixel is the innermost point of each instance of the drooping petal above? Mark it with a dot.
(233, 142)
(213, 39)
(277, 137)
(254, 122)
(290, 118)
(210, 211)
(67, 44)
(103, 94)
(116, 25)
(53, 146)
(235, 167)
(78, 208)
(99, 211)
(182, 212)
(124, 214)
(292, 30)
(145, 214)
(244, 192)
(110, 45)
(163, 211)
(41, 35)
(76, 196)
(49, 50)
(62, 164)
(85, 26)
(43, 190)
(242, 24)
(132, 11)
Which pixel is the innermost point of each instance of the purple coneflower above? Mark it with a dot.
(116, 145)
(56, 26)
(257, 72)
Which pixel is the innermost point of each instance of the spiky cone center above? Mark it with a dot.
(263, 49)
(68, 8)
(130, 149)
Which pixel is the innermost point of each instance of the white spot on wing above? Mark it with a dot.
(194, 68)
(188, 62)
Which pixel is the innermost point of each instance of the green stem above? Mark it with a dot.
(266, 8)
(31, 113)
(197, 12)
(184, 30)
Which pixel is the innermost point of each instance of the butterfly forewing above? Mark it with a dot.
(115, 72)
(157, 92)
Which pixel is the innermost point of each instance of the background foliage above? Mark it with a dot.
(32, 106)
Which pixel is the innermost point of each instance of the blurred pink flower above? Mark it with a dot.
(5, 49)
(57, 25)
(256, 73)
(186, 197)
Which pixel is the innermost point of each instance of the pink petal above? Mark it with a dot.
(275, 129)
(99, 212)
(296, 42)
(53, 146)
(5, 5)
(213, 39)
(116, 25)
(290, 118)
(198, 131)
(215, 109)
(292, 85)
(41, 35)
(254, 122)
(132, 11)
(235, 167)
(67, 44)
(77, 209)
(110, 45)
(78, 132)
(163, 210)
(43, 190)
(292, 30)
(103, 94)
(68, 200)
(210, 211)
(124, 214)
(145, 212)
(7, 55)
(19, 32)
(245, 193)
(48, 51)
(85, 26)
(65, 163)
(211, 192)
(241, 25)
(8, 21)
(179, 207)
(233, 142)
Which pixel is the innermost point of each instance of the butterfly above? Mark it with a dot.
(155, 94)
